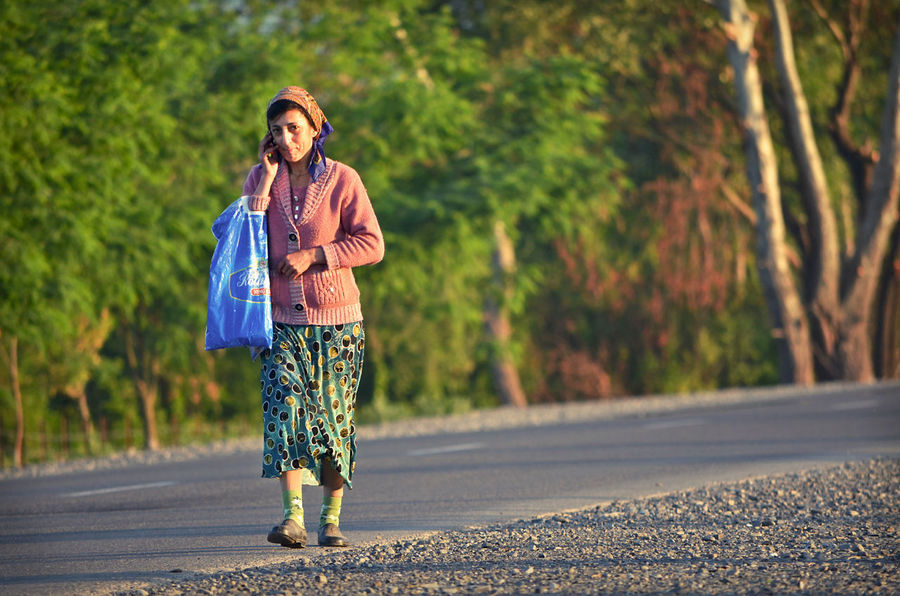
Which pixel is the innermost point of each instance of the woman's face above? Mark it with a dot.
(293, 135)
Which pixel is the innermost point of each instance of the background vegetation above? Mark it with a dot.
(571, 172)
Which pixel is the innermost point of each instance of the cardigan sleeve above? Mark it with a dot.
(252, 180)
(363, 243)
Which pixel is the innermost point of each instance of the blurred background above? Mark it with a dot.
(563, 188)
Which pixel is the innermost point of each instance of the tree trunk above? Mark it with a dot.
(887, 314)
(824, 255)
(84, 412)
(148, 394)
(499, 330)
(872, 242)
(19, 446)
(791, 328)
(143, 378)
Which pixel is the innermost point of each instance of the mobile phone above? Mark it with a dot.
(270, 150)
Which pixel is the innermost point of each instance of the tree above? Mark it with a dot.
(11, 355)
(823, 312)
(77, 363)
(48, 224)
(647, 293)
(113, 165)
(497, 320)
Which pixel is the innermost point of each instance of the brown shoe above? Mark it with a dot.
(330, 535)
(289, 533)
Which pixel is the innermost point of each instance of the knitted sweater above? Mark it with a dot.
(336, 215)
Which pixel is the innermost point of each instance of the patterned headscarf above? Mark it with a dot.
(323, 128)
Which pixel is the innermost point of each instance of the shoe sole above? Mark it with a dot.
(336, 543)
(285, 540)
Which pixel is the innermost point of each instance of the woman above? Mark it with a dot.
(321, 224)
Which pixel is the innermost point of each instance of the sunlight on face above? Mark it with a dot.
(293, 135)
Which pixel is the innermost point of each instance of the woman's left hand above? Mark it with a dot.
(297, 263)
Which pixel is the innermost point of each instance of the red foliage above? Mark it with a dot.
(698, 241)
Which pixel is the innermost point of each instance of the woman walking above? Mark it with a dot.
(321, 225)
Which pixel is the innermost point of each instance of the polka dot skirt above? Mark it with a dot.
(309, 380)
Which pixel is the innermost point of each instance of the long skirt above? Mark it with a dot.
(309, 380)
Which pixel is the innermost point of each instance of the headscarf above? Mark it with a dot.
(317, 118)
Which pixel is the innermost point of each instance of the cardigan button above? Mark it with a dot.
(292, 237)
(298, 306)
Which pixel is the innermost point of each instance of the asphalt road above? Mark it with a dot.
(94, 531)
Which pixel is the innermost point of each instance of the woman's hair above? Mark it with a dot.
(284, 105)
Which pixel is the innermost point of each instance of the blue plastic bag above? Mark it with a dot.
(239, 308)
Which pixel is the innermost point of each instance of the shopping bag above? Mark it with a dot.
(239, 307)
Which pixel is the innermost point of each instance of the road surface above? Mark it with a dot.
(92, 531)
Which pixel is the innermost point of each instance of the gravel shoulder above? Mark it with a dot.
(825, 531)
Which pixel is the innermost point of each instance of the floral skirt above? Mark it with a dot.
(309, 380)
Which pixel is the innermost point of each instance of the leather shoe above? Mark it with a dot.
(330, 535)
(288, 533)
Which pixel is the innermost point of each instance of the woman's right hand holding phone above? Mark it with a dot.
(269, 157)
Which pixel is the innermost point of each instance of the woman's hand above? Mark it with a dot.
(268, 155)
(297, 263)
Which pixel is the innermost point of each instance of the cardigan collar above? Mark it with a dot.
(315, 192)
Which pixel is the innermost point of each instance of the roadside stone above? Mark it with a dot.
(742, 538)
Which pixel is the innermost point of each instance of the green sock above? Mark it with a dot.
(331, 511)
(292, 500)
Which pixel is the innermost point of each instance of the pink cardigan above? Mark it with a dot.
(336, 215)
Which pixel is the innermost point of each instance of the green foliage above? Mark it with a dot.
(127, 127)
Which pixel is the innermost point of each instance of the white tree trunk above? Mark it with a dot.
(785, 305)
(823, 288)
(499, 330)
